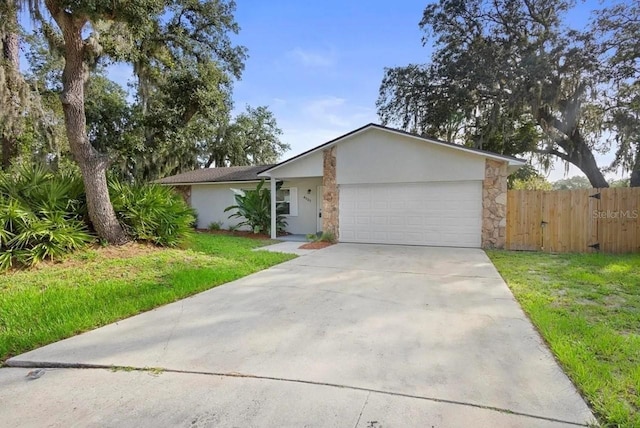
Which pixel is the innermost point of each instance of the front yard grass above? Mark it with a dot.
(587, 308)
(94, 287)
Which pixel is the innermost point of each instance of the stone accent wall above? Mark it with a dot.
(494, 204)
(330, 201)
(185, 192)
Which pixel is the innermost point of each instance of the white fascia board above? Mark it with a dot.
(210, 182)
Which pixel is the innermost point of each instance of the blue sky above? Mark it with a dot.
(318, 64)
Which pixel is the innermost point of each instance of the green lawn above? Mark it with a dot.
(587, 307)
(95, 287)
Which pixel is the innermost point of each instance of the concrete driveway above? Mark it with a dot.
(349, 336)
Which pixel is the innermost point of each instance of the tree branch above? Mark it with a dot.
(550, 151)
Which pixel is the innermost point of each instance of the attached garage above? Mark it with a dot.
(430, 213)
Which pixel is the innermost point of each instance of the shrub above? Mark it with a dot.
(327, 237)
(151, 212)
(324, 237)
(254, 206)
(215, 225)
(42, 216)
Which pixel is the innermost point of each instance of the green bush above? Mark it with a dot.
(151, 212)
(254, 206)
(215, 225)
(42, 216)
(323, 237)
(327, 237)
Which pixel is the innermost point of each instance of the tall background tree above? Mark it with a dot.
(619, 27)
(21, 110)
(511, 77)
(182, 55)
(253, 138)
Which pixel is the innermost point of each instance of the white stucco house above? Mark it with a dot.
(373, 185)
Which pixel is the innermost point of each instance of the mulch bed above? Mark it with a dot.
(315, 245)
(241, 233)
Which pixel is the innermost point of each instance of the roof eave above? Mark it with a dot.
(191, 183)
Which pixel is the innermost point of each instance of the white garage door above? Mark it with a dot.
(434, 213)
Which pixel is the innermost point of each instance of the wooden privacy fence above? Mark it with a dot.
(581, 221)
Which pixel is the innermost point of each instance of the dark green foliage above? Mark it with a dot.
(42, 216)
(252, 138)
(509, 76)
(215, 225)
(254, 206)
(151, 213)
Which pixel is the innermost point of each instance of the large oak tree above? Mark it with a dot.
(509, 76)
(156, 36)
(618, 26)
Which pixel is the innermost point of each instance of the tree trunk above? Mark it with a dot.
(93, 165)
(583, 158)
(11, 63)
(635, 173)
(577, 151)
(9, 145)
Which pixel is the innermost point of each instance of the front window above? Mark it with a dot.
(287, 201)
(283, 201)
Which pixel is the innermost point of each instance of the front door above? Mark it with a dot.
(319, 197)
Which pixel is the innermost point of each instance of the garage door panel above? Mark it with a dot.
(363, 220)
(380, 206)
(435, 213)
(348, 236)
(395, 220)
(380, 220)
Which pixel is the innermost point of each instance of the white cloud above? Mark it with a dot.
(303, 138)
(327, 110)
(337, 112)
(313, 59)
(312, 122)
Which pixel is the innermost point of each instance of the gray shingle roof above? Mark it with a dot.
(216, 175)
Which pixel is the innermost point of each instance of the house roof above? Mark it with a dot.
(257, 172)
(512, 160)
(217, 175)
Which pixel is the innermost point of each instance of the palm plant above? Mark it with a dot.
(42, 216)
(151, 212)
(254, 206)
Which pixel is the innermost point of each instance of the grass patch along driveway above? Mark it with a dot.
(587, 308)
(95, 287)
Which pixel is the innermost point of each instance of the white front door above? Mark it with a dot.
(319, 197)
(432, 213)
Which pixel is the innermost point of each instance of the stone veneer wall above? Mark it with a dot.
(330, 220)
(494, 204)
